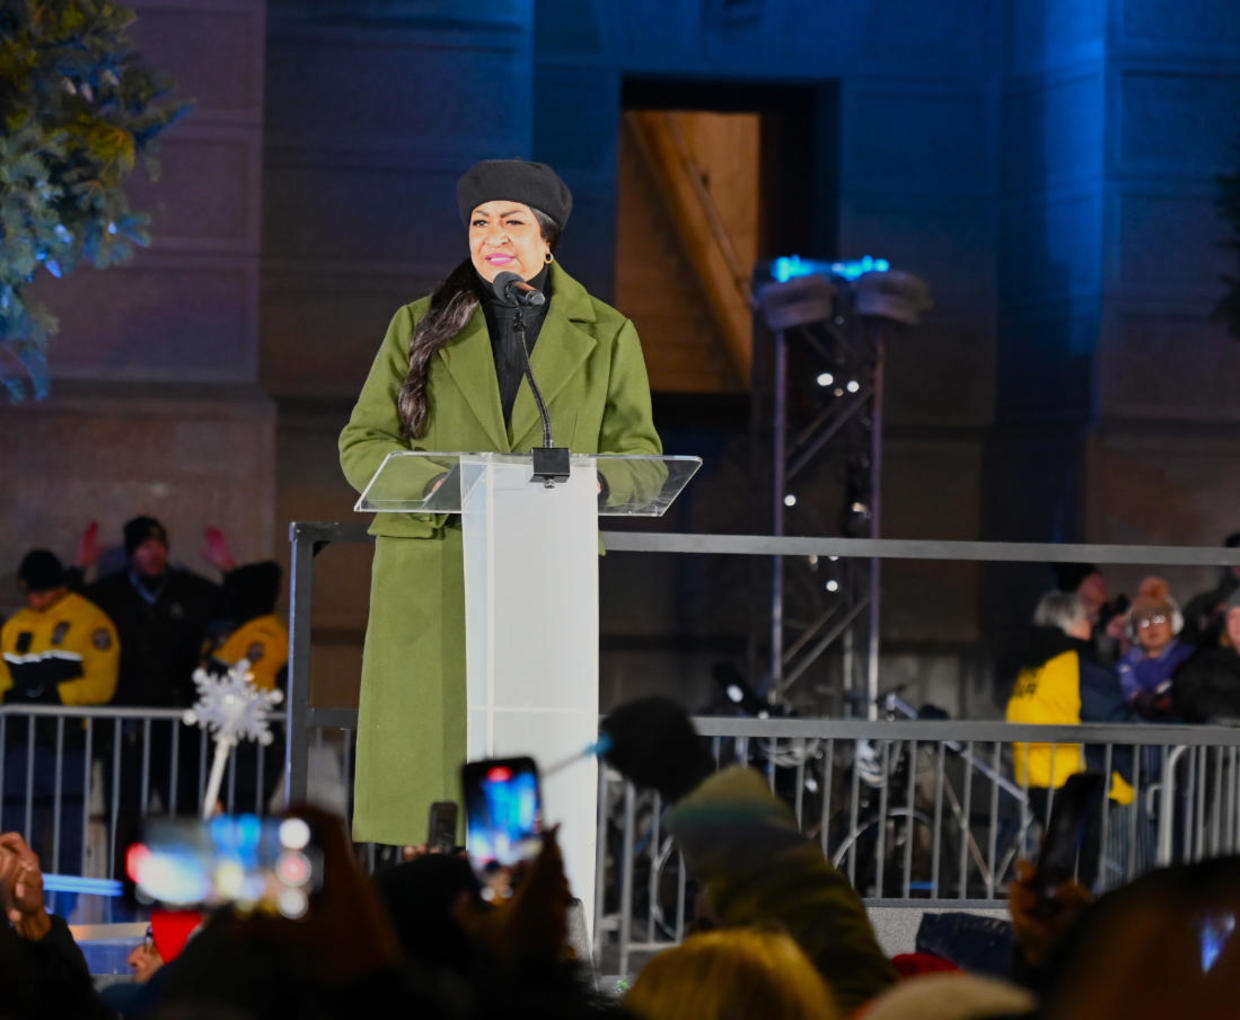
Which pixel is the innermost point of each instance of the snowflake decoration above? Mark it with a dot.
(231, 707)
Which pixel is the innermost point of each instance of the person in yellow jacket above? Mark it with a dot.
(255, 633)
(1062, 683)
(61, 649)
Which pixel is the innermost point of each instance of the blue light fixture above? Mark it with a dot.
(786, 267)
(78, 884)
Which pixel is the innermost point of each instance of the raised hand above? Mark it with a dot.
(88, 547)
(1036, 932)
(533, 924)
(216, 550)
(21, 888)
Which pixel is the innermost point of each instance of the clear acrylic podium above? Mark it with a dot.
(531, 605)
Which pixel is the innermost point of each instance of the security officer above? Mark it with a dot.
(162, 613)
(255, 632)
(61, 649)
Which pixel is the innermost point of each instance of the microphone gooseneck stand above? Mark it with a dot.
(551, 462)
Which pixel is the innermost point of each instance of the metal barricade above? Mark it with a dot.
(309, 538)
(914, 776)
(77, 782)
(924, 813)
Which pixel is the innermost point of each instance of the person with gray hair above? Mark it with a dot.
(1062, 682)
(1062, 609)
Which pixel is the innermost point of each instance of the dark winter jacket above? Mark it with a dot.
(1208, 686)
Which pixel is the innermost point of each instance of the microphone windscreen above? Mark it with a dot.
(502, 282)
(511, 289)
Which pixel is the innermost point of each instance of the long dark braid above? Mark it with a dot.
(452, 304)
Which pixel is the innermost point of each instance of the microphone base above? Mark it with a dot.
(550, 464)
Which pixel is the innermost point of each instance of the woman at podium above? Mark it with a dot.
(449, 377)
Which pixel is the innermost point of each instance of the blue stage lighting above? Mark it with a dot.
(786, 267)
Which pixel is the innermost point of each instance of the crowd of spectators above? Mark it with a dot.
(779, 932)
(1091, 658)
(130, 636)
(1168, 665)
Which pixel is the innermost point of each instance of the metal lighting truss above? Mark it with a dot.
(830, 329)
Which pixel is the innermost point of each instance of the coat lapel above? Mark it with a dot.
(471, 365)
(563, 346)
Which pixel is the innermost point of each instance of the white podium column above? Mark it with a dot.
(531, 607)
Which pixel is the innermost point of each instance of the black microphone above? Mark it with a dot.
(551, 462)
(510, 287)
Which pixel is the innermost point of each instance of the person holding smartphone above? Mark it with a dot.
(449, 376)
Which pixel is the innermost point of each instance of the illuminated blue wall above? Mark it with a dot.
(1115, 118)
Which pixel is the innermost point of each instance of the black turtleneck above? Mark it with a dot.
(501, 319)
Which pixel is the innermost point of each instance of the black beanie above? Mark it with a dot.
(140, 529)
(40, 570)
(252, 590)
(514, 180)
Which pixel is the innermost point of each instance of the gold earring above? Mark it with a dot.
(547, 258)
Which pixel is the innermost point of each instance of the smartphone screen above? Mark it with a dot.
(1215, 930)
(503, 811)
(255, 862)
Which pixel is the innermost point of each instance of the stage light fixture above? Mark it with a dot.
(798, 301)
(790, 500)
(852, 386)
(789, 267)
(897, 296)
(825, 379)
(833, 585)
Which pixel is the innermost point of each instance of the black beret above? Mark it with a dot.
(140, 529)
(514, 180)
(40, 570)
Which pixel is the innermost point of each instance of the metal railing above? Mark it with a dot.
(79, 780)
(956, 775)
(922, 813)
(936, 776)
(919, 813)
(309, 538)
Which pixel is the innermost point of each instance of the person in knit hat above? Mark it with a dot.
(162, 614)
(1147, 669)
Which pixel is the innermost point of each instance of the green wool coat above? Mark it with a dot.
(411, 714)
